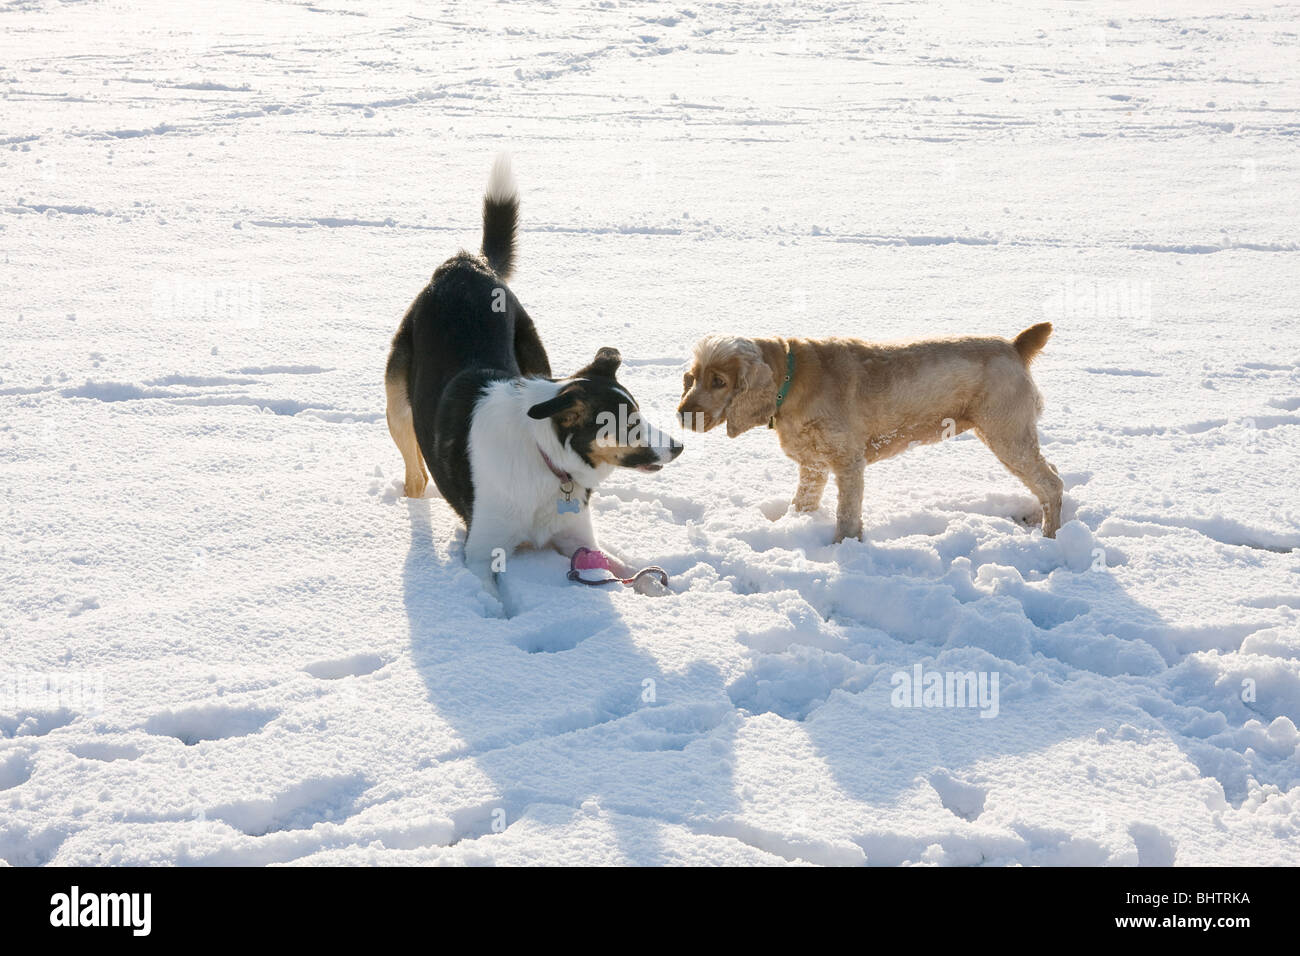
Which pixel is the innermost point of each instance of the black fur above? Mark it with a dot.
(500, 220)
(465, 331)
(455, 344)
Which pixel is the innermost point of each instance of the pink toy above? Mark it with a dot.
(585, 559)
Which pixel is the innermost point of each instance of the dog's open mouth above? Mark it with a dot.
(650, 468)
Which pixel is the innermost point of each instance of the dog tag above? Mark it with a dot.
(567, 504)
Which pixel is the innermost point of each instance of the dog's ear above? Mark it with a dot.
(754, 401)
(604, 365)
(564, 405)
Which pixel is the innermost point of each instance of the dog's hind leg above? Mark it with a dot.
(1017, 449)
(848, 514)
(401, 423)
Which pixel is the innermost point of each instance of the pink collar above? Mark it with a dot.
(564, 476)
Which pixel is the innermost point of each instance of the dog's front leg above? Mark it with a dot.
(618, 562)
(574, 532)
(578, 532)
(812, 482)
(487, 548)
(848, 514)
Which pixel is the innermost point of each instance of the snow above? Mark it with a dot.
(226, 637)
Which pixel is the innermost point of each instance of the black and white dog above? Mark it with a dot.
(470, 391)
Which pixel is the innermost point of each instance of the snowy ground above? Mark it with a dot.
(226, 638)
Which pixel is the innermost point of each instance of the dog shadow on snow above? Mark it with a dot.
(572, 721)
(575, 722)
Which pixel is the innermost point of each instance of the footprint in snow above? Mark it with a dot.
(107, 752)
(354, 665)
(15, 771)
(964, 799)
(193, 725)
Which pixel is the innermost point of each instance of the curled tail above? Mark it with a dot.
(1031, 341)
(500, 218)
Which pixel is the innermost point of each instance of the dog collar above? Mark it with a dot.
(566, 503)
(785, 386)
(564, 476)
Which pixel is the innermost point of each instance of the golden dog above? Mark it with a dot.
(839, 404)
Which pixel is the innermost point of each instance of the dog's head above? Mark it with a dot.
(728, 381)
(597, 419)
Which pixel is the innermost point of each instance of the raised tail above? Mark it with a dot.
(500, 218)
(1031, 341)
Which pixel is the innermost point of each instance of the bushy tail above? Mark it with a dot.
(500, 217)
(1031, 341)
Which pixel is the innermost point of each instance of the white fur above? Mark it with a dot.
(515, 494)
(659, 440)
(501, 185)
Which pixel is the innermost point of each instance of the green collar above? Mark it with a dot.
(785, 386)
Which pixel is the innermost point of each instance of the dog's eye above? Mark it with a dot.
(718, 382)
